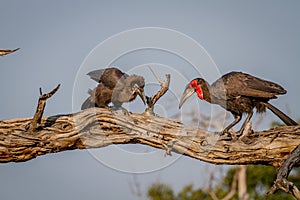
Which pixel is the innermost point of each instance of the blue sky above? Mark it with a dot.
(55, 37)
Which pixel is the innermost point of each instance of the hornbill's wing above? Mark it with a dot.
(241, 84)
(109, 76)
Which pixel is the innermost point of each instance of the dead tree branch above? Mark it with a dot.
(281, 181)
(4, 52)
(152, 100)
(95, 128)
(36, 121)
(231, 193)
(233, 188)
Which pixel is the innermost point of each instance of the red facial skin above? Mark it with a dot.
(194, 84)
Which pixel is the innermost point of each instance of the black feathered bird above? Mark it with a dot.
(238, 93)
(114, 86)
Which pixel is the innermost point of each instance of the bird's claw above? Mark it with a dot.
(224, 135)
(228, 134)
(124, 111)
(244, 131)
(225, 132)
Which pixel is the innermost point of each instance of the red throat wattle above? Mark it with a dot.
(194, 84)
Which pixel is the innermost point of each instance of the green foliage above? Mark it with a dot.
(259, 179)
(188, 193)
(159, 191)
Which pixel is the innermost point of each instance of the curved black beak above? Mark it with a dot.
(186, 94)
(140, 92)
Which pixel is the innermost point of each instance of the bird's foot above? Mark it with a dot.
(124, 111)
(246, 130)
(226, 132)
(229, 134)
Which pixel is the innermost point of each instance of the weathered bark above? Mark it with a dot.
(37, 118)
(4, 52)
(152, 100)
(95, 128)
(281, 181)
(242, 182)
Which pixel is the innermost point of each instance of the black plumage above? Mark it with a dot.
(238, 93)
(114, 86)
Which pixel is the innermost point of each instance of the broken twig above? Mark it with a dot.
(152, 100)
(36, 121)
(281, 181)
(4, 52)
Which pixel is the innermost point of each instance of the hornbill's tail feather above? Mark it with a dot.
(87, 104)
(286, 119)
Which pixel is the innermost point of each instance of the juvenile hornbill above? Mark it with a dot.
(114, 86)
(238, 93)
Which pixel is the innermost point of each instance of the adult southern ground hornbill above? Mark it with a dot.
(238, 93)
(114, 86)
